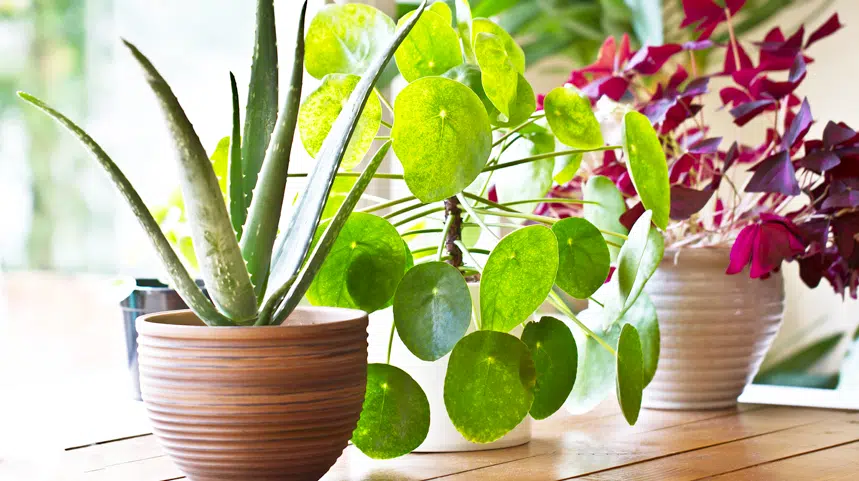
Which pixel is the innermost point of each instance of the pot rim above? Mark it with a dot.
(184, 323)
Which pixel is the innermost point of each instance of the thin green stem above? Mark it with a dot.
(418, 216)
(386, 124)
(467, 253)
(476, 217)
(613, 244)
(493, 224)
(403, 210)
(591, 298)
(420, 231)
(424, 249)
(517, 129)
(354, 174)
(547, 200)
(547, 155)
(518, 215)
(444, 231)
(559, 304)
(391, 341)
(486, 201)
(614, 234)
(475, 250)
(385, 205)
(385, 101)
(383, 137)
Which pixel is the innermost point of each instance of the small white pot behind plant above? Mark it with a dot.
(715, 329)
(442, 436)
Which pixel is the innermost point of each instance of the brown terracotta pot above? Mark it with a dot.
(254, 403)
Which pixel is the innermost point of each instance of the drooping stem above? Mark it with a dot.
(556, 301)
(453, 219)
(391, 341)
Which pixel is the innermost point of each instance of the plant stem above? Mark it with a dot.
(613, 244)
(518, 215)
(470, 257)
(453, 230)
(404, 210)
(486, 201)
(547, 155)
(385, 205)
(591, 298)
(383, 137)
(391, 341)
(354, 174)
(733, 38)
(444, 232)
(614, 234)
(549, 200)
(517, 129)
(418, 216)
(559, 303)
(385, 101)
(420, 231)
(477, 218)
(386, 124)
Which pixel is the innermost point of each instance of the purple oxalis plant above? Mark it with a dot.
(800, 201)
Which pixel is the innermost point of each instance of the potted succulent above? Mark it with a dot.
(467, 115)
(796, 203)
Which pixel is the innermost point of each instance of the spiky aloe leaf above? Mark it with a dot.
(261, 108)
(294, 244)
(182, 281)
(300, 284)
(221, 263)
(261, 227)
(238, 210)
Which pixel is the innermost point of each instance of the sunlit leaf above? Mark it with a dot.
(647, 166)
(584, 257)
(572, 119)
(432, 47)
(500, 78)
(512, 49)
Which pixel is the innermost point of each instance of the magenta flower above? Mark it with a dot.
(765, 245)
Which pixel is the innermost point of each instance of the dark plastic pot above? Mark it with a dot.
(150, 296)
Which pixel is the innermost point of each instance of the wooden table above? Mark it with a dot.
(65, 414)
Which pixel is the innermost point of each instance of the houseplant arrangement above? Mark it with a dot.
(797, 204)
(227, 386)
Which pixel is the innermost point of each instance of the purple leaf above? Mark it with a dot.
(696, 87)
(819, 161)
(799, 127)
(774, 174)
(846, 228)
(828, 28)
(731, 156)
(706, 146)
(611, 87)
(836, 134)
(698, 45)
(655, 111)
(649, 59)
(744, 113)
(686, 201)
(842, 200)
(741, 251)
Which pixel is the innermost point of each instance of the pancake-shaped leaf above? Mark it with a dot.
(469, 75)
(346, 38)
(432, 309)
(441, 135)
(638, 259)
(431, 48)
(522, 106)
(647, 166)
(630, 378)
(364, 266)
(572, 119)
(517, 277)
(489, 385)
(584, 260)
(642, 315)
(322, 107)
(605, 214)
(443, 10)
(500, 78)
(410, 262)
(511, 48)
(596, 368)
(553, 349)
(566, 168)
(395, 418)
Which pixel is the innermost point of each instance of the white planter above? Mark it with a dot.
(442, 436)
(715, 329)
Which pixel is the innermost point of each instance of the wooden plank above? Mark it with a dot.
(141, 459)
(835, 464)
(741, 454)
(580, 453)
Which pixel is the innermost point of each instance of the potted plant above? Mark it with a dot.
(480, 369)
(796, 203)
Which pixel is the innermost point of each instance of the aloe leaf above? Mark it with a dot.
(261, 108)
(181, 280)
(221, 263)
(266, 206)
(238, 210)
(326, 241)
(293, 245)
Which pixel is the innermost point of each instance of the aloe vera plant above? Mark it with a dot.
(466, 115)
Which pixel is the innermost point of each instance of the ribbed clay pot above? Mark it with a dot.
(254, 403)
(715, 329)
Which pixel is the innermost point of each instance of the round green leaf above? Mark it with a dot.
(572, 119)
(605, 214)
(396, 415)
(489, 385)
(642, 315)
(512, 49)
(630, 379)
(364, 266)
(441, 135)
(432, 309)
(469, 75)
(647, 166)
(521, 107)
(410, 262)
(595, 372)
(345, 39)
(443, 10)
(517, 277)
(322, 107)
(584, 258)
(553, 349)
(500, 78)
(431, 48)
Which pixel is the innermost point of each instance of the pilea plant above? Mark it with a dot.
(466, 105)
(466, 116)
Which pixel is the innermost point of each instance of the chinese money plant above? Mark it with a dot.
(466, 107)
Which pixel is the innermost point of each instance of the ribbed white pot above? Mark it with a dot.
(715, 329)
(442, 436)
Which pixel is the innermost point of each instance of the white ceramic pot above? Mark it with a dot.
(715, 329)
(442, 436)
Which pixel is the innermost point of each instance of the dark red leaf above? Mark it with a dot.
(696, 87)
(706, 146)
(734, 63)
(798, 127)
(734, 97)
(649, 59)
(706, 15)
(744, 113)
(774, 174)
(828, 28)
(842, 200)
(686, 201)
(731, 157)
(611, 87)
(837, 134)
(846, 229)
(819, 161)
(628, 218)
